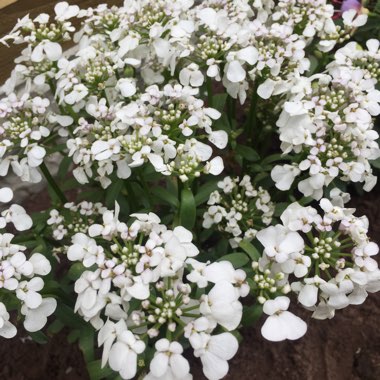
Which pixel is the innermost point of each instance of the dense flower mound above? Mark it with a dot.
(138, 289)
(196, 153)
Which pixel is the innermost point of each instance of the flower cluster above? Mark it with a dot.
(25, 125)
(135, 288)
(353, 55)
(329, 129)
(74, 218)
(325, 258)
(164, 127)
(19, 275)
(240, 210)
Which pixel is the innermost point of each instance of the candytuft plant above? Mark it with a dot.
(199, 158)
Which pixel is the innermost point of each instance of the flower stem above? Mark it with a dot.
(251, 126)
(53, 185)
(209, 91)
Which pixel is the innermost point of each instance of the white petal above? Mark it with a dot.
(118, 355)
(6, 195)
(224, 345)
(308, 295)
(235, 72)
(159, 364)
(213, 367)
(219, 139)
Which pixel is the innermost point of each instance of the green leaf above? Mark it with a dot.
(280, 208)
(314, 63)
(67, 316)
(375, 163)
(64, 167)
(73, 336)
(113, 192)
(251, 314)
(377, 7)
(75, 271)
(165, 196)
(39, 337)
(87, 342)
(96, 372)
(204, 191)
(274, 158)
(55, 327)
(250, 249)
(219, 101)
(237, 259)
(188, 209)
(247, 152)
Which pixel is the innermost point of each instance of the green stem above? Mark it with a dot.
(230, 109)
(209, 91)
(53, 185)
(251, 126)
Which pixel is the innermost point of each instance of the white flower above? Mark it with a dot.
(297, 263)
(103, 150)
(46, 49)
(215, 166)
(353, 19)
(27, 292)
(127, 87)
(222, 305)
(168, 362)
(83, 249)
(234, 69)
(284, 176)
(312, 186)
(214, 351)
(41, 265)
(18, 216)
(298, 218)
(35, 156)
(7, 330)
(308, 292)
(279, 243)
(191, 75)
(123, 354)
(35, 319)
(281, 324)
(64, 11)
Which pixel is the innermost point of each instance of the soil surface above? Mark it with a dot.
(344, 348)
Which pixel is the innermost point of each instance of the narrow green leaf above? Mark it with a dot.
(165, 196)
(55, 327)
(280, 208)
(250, 249)
(67, 316)
(247, 152)
(87, 342)
(96, 372)
(237, 259)
(39, 337)
(64, 167)
(187, 209)
(113, 192)
(251, 314)
(75, 271)
(204, 191)
(219, 101)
